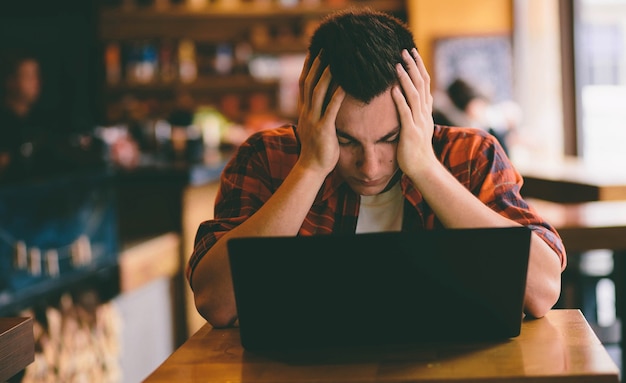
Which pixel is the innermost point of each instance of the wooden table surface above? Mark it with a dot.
(561, 347)
(587, 225)
(570, 179)
(17, 346)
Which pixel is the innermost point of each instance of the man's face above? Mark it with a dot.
(368, 138)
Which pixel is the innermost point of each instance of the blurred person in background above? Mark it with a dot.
(31, 142)
(463, 104)
(22, 123)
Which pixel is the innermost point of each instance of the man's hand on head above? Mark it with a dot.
(316, 129)
(414, 103)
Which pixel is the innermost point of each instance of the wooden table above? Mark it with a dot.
(570, 179)
(17, 346)
(561, 347)
(587, 225)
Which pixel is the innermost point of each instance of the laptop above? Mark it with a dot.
(379, 288)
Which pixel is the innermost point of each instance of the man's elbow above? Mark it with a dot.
(538, 307)
(218, 315)
(537, 311)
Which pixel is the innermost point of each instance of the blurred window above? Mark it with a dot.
(600, 62)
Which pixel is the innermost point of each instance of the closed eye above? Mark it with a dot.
(345, 142)
(345, 139)
(392, 139)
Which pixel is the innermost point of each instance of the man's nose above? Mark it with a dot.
(369, 161)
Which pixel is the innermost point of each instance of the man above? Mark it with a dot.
(366, 156)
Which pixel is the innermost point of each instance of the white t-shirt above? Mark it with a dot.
(381, 212)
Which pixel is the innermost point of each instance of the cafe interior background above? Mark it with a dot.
(171, 87)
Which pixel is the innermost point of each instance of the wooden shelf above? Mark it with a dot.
(270, 29)
(213, 84)
(241, 11)
(213, 22)
(280, 48)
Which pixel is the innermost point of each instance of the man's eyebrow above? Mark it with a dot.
(384, 138)
(344, 135)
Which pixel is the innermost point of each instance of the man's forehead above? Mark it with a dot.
(380, 114)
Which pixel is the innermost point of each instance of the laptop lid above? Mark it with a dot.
(380, 288)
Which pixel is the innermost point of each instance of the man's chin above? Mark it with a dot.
(368, 190)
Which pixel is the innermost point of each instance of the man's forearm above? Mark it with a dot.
(454, 205)
(457, 207)
(543, 283)
(281, 215)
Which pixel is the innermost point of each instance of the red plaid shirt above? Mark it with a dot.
(261, 164)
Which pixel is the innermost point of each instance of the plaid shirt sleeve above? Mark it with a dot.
(247, 182)
(490, 175)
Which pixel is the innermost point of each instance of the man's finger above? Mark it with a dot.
(305, 70)
(319, 92)
(311, 79)
(335, 103)
(424, 74)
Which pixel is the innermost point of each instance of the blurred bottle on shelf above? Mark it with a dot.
(187, 66)
(113, 62)
(132, 56)
(230, 106)
(147, 68)
(224, 59)
(211, 124)
(260, 35)
(141, 62)
(260, 115)
(242, 55)
(167, 61)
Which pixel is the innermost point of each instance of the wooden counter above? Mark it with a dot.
(17, 346)
(145, 261)
(560, 347)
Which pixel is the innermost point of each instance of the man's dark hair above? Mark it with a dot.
(362, 47)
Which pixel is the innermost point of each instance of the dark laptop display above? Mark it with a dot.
(380, 288)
